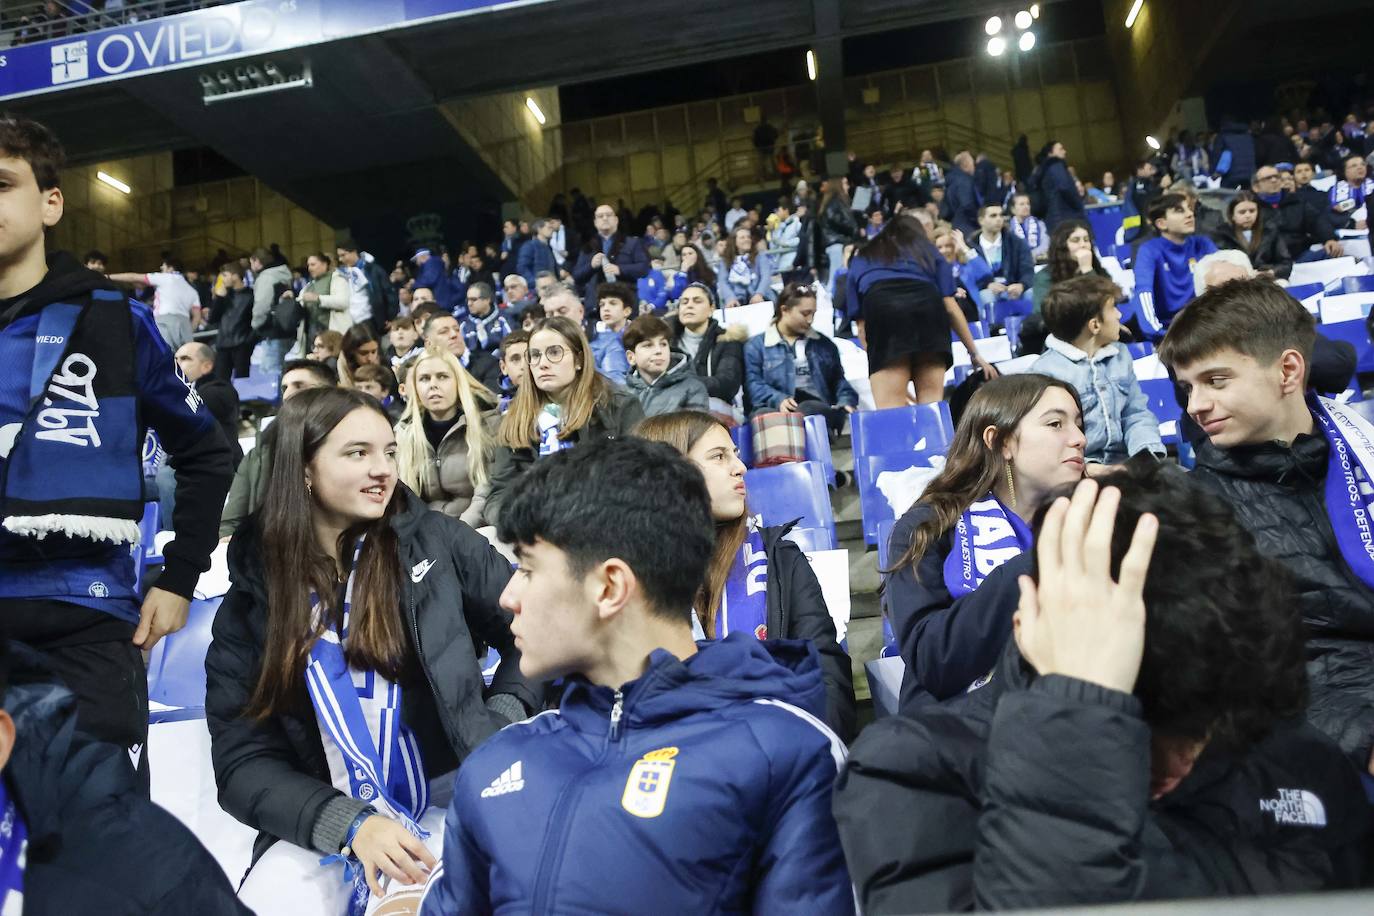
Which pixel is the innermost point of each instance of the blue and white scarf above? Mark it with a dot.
(550, 422)
(1028, 230)
(742, 275)
(1349, 493)
(987, 535)
(14, 842)
(372, 755)
(744, 606)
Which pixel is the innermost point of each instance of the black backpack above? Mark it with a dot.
(287, 312)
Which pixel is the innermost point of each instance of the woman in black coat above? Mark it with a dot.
(1245, 231)
(717, 353)
(790, 604)
(344, 679)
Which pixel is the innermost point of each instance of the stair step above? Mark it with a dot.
(864, 604)
(865, 638)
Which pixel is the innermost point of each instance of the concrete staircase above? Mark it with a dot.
(865, 618)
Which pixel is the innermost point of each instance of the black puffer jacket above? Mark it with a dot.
(720, 358)
(1278, 494)
(1034, 792)
(273, 775)
(96, 844)
(797, 610)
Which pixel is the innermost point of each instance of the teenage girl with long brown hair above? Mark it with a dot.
(952, 590)
(757, 581)
(343, 685)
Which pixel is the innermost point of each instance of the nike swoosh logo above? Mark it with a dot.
(420, 570)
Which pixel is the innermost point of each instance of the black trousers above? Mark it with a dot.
(92, 653)
(233, 362)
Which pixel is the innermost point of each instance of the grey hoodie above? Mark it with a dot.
(677, 389)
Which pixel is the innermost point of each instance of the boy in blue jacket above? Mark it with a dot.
(1164, 265)
(1084, 350)
(677, 776)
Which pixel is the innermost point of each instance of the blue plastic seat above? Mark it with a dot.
(1140, 350)
(145, 552)
(1163, 404)
(1003, 309)
(1307, 289)
(810, 539)
(259, 386)
(1354, 332)
(923, 427)
(872, 503)
(978, 329)
(794, 491)
(744, 442)
(176, 666)
(1345, 285)
(818, 446)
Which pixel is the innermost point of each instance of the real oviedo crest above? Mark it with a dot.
(646, 791)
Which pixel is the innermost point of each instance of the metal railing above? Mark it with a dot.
(26, 23)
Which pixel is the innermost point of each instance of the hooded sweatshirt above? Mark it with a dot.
(698, 786)
(100, 574)
(678, 388)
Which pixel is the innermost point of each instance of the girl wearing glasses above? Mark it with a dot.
(444, 439)
(563, 401)
(790, 605)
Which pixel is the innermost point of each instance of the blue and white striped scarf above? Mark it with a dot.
(372, 756)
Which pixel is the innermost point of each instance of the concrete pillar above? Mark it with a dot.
(829, 52)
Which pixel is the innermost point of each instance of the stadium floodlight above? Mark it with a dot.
(1134, 13)
(811, 65)
(533, 106)
(113, 182)
(993, 25)
(996, 45)
(1027, 41)
(1035, 10)
(1023, 20)
(1152, 143)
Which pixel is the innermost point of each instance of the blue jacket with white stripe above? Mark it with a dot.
(698, 788)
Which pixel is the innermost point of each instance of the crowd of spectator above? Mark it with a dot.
(1122, 681)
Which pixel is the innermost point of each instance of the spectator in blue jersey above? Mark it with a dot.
(653, 288)
(485, 324)
(609, 255)
(432, 276)
(1057, 187)
(83, 375)
(1164, 264)
(536, 254)
(1008, 257)
(1351, 194)
(562, 814)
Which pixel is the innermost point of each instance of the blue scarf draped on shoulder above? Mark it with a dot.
(1349, 491)
(744, 605)
(987, 535)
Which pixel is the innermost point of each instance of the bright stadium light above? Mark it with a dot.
(113, 182)
(1023, 20)
(1135, 11)
(1152, 143)
(811, 65)
(996, 45)
(533, 106)
(993, 26)
(1027, 41)
(1035, 11)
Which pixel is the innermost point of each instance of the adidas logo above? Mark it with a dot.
(512, 780)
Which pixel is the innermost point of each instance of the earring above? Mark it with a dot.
(1011, 484)
(309, 491)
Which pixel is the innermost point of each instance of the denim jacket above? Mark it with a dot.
(1117, 419)
(770, 375)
